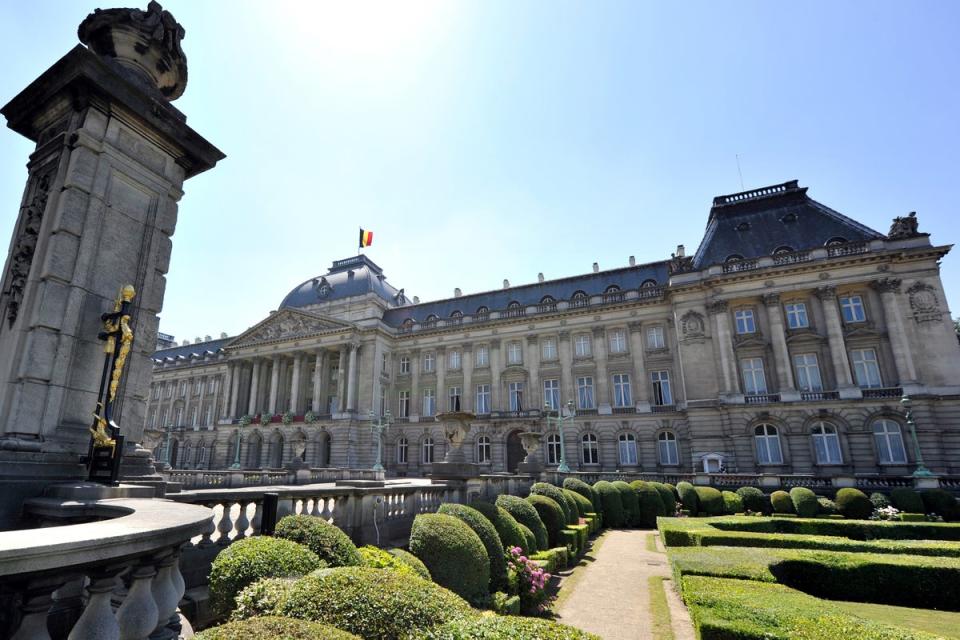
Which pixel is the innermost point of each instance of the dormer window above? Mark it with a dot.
(743, 226)
(431, 321)
(456, 317)
(649, 284)
(580, 299)
(514, 309)
(835, 242)
(734, 257)
(547, 303)
(782, 249)
(789, 218)
(483, 313)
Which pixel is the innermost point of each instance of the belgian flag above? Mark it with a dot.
(366, 238)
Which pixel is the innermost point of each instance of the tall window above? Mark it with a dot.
(655, 338)
(585, 392)
(403, 404)
(851, 308)
(826, 443)
(208, 416)
(667, 448)
(580, 299)
(197, 386)
(426, 451)
(581, 346)
(211, 384)
(754, 381)
(745, 321)
(483, 399)
(483, 449)
(866, 370)
(796, 315)
(429, 402)
(889, 441)
(808, 372)
(516, 396)
(553, 448)
(163, 418)
(618, 341)
(628, 449)
(402, 447)
(767, 439)
(178, 416)
(621, 390)
(193, 416)
(661, 388)
(514, 353)
(549, 349)
(404, 365)
(429, 362)
(182, 391)
(591, 450)
(453, 359)
(481, 356)
(453, 398)
(156, 392)
(551, 394)
(385, 363)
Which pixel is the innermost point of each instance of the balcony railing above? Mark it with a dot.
(515, 312)
(761, 398)
(792, 258)
(847, 249)
(613, 296)
(663, 408)
(549, 307)
(885, 392)
(815, 396)
(624, 410)
(739, 265)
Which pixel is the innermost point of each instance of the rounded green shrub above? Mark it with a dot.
(531, 546)
(907, 500)
(375, 604)
(673, 488)
(631, 504)
(453, 553)
(804, 502)
(274, 628)
(506, 525)
(331, 544)
(246, 561)
(377, 558)
(710, 501)
(524, 513)
(879, 500)
(413, 562)
(494, 627)
(826, 506)
(650, 504)
(853, 504)
(552, 516)
(732, 503)
(667, 497)
(752, 499)
(584, 506)
(611, 503)
(488, 536)
(781, 502)
(265, 597)
(579, 486)
(688, 497)
(941, 503)
(555, 494)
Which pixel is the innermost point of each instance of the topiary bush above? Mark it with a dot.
(826, 506)
(581, 487)
(506, 525)
(583, 505)
(493, 627)
(265, 597)
(274, 628)
(552, 516)
(524, 513)
(752, 499)
(907, 500)
(710, 501)
(531, 546)
(248, 560)
(781, 502)
(666, 497)
(611, 504)
(376, 604)
(853, 504)
(804, 502)
(413, 562)
(879, 500)
(941, 503)
(453, 553)
(331, 544)
(488, 536)
(377, 558)
(570, 515)
(732, 503)
(631, 504)
(650, 504)
(688, 497)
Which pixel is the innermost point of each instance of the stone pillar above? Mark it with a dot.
(534, 396)
(567, 386)
(274, 385)
(352, 378)
(781, 355)
(226, 390)
(342, 379)
(641, 389)
(728, 359)
(441, 369)
(254, 402)
(466, 362)
(899, 344)
(415, 400)
(838, 349)
(317, 404)
(602, 382)
(495, 403)
(295, 383)
(235, 391)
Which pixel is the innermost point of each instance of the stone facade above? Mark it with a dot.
(782, 346)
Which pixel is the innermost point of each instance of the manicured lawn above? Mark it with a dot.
(661, 628)
(943, 623)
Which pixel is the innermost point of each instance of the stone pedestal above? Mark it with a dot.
(454, 470)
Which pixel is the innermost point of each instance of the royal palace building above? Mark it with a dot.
(783, 345)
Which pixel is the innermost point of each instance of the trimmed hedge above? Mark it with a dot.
(582, 532)
(493, 627)
(248, 560)
(331, 544)
(531, 546)
(667, 497)
(752, 497)
(579, 486)
(688, 497)
(524, 513)
(552, 515)
(413, 562)
(781, 502)
(453, 553)
(650, 502)
(879, 500)
(265, 597)
(853, 504)
(555, 494)
(274, 628)
(631, 504)
(907, 500)
(584, 506)
(732, 503)
(553, 559)
(804, 502)
(507, 527)
(375, 604)
(941, 503)
(710, 501)
(377, 558)
(862, 530)
(611, 503)
(488, 536)
(826, 506)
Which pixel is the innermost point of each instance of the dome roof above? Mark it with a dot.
(346, 278)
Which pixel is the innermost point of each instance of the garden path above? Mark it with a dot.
(612, 598)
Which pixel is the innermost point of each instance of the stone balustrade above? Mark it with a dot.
(237, 478)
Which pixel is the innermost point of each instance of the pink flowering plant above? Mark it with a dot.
(529, 580)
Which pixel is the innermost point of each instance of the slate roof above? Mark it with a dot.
(755, 223)
(346, 278)
(192, 350)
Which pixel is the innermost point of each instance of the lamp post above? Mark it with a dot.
(921, 471)
(560, 421)
(236, 456)
(379, 427)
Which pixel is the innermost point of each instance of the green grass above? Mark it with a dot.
(652, 543)
(659, 609)
(942, 623)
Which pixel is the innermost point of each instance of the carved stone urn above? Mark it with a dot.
(456, 428)
(531, 444)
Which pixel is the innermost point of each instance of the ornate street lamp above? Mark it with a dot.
(921, 471)
(379, 427)
(560, 421)
(236, 455)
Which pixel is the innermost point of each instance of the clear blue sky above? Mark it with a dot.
(495, 139)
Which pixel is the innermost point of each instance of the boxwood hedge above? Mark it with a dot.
(804, 502)
(531, 546)
(494, 627)
(584, 506)
(650, 503)
(941, 503)
(488, 536)
(631, 504)
(688, 497)
(331, 544)
(579, 486)
(274, 628)
(265, 597)
(611, 503)
(667, 497)
(551, 514)
(710, 501)
(907, 500)
(413, 562)
(506, 525)
(853, 504)
(732, 503)
(781, 502)
(453, 553)
(524, 513)
(377, 558)
(752, 498)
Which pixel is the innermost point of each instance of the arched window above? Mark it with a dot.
(547, 303)
(612, 289)
(426, 451)
(553, 448)
(402, 448)
(649, 284)
(253, 452)
(513, 305)
(580, 299)
(185, 454)
(547, 300)
(483, 449)
(836, 241)
(767, 439)
(483, 313)
(782, 249)
(734, 257)
(889, 441)
(591, 449)
(430, 321)
(514, 309)
(457, 316)
(628, 449)
(408, 323)
(667, 448)
(826, 443)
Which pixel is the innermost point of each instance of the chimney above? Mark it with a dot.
(416, 299)
(633, 261)
(196, 340)
(207, 338)
(540, 277)
(457, 293)
(184, 343)
(681, 252)
(596, 267)
(223, 334)
(506, 283)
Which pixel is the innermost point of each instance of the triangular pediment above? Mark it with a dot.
(288, 324)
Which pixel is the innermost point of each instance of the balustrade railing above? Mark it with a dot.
(885, 392)
(237, 478)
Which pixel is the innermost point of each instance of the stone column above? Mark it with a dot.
(838, 348)
(602, 383)
(225, 389)
(728, 359)
(188, 402)
(295, 383)
(781, 354)
(352, 378)
(254, 403)
(317, 405)
(899, 344)
(534, 395)
(441, 369)
(567, 385)
(415, 400)
(466, 362)
(495, 403)
(235, 391)
(274, 384)
(342, 379)
(641, 388)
